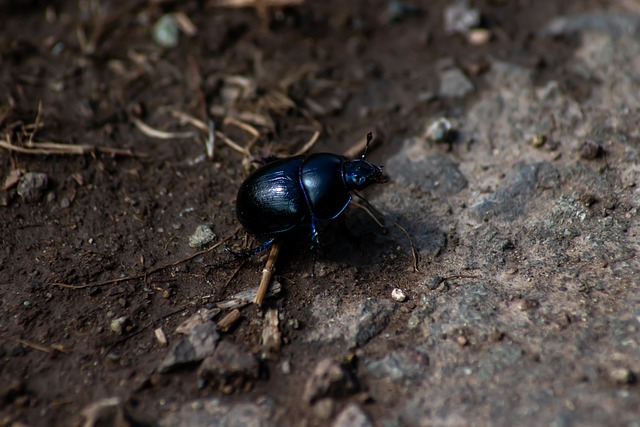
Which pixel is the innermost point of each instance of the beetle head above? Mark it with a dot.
(360, 174)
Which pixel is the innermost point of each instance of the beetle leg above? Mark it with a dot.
(314, 234)
(252, 251)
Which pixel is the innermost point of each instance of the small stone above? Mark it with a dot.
(166, 31)
(200, 343)
(591, 150)
(538, 140)
(398, 295)
(527, 304)
(462, 341)
(460, 17)
(105, 413)
(32, 186)
(439, 131)
(229, 367)
(12, 179)
(435, 282)
(121, 325)
(324, 408)
(352, 416)
(622, 376)
(202, 236)
(329, 379)
(479, 36)
(160, 336)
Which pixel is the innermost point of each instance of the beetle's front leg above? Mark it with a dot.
(315, 242)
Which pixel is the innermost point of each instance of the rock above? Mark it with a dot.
(229, 367)
(398, 295)
(454, 84)
(166, 32)
(203, 315)
(460, 17)
(439, 131)
(399, 364)
(214, 413)
(324, 408)
(200, 343)
(434, 173)
(591, 150)
(622, 376)
(271, 335)
(330, 378)
(509, 201)
(354, 323)
(352, 416)
(615, 23)
(120, 325)
(32, 186)
(202, 236)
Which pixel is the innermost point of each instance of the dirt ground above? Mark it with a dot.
(89, 99)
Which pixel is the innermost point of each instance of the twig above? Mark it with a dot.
(26, 343)
(229, 320)
(267, 273)
(141, 275)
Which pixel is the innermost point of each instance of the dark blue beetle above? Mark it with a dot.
(288, 194)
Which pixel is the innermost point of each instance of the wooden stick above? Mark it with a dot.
(229, 320)
(267, 273)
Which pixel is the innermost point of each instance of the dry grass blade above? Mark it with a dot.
(159, 134)
(203, 126)
(306, 147)
(210, 144)
(49, 148)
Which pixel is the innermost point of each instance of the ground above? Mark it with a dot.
(509, 133)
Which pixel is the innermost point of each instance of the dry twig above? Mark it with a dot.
(229, 320)
(141, 275)
(267, 273)
(29, 344)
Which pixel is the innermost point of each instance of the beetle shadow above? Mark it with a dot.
(356, 240)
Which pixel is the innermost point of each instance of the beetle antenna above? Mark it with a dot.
(366, 147)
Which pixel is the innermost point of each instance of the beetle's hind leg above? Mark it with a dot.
(251, 252)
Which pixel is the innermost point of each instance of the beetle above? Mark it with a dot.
(288, 194)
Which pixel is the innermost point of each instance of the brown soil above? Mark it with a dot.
(342, 68)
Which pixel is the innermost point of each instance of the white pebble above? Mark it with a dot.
(398, 295)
